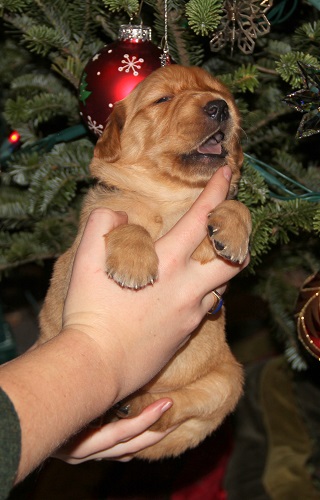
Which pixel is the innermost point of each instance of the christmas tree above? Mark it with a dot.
(268, 55)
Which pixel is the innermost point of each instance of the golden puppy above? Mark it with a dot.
(161, 145)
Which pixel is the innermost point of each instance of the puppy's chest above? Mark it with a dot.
(156, 223)
(155, 215)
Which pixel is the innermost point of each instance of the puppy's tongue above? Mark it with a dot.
(212, 146)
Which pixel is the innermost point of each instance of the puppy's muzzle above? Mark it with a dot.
(217, 110)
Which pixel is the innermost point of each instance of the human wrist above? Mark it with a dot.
(68, 384)
(98, 365)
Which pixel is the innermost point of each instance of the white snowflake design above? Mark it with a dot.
(131, 64)
(95, 57)
(92, 124)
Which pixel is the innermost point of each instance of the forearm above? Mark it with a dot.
(56, 389)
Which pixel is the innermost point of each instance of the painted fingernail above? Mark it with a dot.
(227, 172)
(166, 406)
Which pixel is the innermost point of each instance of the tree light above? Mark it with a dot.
(14, 137)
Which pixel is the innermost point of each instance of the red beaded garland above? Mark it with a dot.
(114, 71)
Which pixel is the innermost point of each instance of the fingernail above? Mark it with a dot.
(227, 172)
(121, 213)
(166, 406)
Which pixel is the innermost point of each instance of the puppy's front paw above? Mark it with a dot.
(131, 258)
(229, 228)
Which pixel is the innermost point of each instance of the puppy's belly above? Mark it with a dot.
(198, 409)
(203, 392)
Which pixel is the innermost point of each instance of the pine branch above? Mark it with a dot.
(21, 169)
(41, 108)
(131, 7)
(204, 16)
(15, 5)
(244, 79)
(13, 208)
(253, 189)
(288, 68)
(275, 223)
(14, 59)
(277, 48)
(282, 294)
(20, 247)
(307, 38)
(289, 165)
(264, 122)
(69, 67)
(316, 222)
(60, 32)
(55, 189)
(41, 39)
(34, 83)
(55, 183)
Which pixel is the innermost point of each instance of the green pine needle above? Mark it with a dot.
(288, 68)
(308, 36)
(204, 16)
(15, 5)
(41, 39)
(316, 222)
(253, 189)
(131, 7)
(244, 79)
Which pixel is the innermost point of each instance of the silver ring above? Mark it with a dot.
(217, 306)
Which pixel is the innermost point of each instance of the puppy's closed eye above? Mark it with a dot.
(164, 99)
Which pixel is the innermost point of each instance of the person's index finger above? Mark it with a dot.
(214, 193)
(192, 227)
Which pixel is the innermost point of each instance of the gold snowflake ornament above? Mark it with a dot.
(242, 22)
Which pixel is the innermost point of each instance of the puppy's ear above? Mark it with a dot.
(108, 147)
(239, 155)
(235, 161)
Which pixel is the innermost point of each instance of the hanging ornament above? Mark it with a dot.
(114, 71)
(307, 100)
(165, 57)
(308, 315)
(242, 22)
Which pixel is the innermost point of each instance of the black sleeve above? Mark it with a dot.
(10, 444)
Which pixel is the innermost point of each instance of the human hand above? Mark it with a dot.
(116, 440)
(137, 332)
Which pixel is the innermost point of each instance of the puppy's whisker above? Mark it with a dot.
(244, 133)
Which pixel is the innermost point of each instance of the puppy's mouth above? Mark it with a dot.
(209, 152)
(212, 146)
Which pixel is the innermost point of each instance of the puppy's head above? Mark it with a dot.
(178, 126)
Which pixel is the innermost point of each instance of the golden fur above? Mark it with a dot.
(160, 146)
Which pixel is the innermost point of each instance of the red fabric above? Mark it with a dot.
(203, 474)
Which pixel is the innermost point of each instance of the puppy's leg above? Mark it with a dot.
(212, 396)
(229, 228)
(131, 257)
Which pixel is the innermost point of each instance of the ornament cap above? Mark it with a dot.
(136, 32)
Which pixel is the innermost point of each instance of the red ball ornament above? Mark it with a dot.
(114, 71)
(308, 315)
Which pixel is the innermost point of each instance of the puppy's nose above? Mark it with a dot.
(218, 110)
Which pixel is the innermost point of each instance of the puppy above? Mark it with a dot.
(161, 145)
